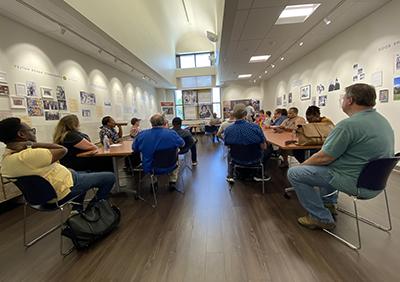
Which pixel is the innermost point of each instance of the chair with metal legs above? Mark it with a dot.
(247, 156)
(164, 162)
(38, 194)
(373, 177)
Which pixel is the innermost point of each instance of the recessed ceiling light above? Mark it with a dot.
(301, 43)
(259, 76)
(327, 21)
(272, 66)
(261, 58)
(266, 71)
(296, 13)
(254, 81)
(282, 58)
(244, 75)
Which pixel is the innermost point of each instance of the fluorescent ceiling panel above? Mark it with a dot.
(244, 75)
(258, 59)
(296, 13)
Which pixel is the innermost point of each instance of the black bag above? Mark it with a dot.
(96, 222)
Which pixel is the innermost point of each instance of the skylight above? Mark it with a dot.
(296, 13)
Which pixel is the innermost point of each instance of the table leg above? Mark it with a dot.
(116, 173)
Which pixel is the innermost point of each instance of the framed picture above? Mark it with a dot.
(305, 92)
(4, 90)
(17, 102)
(31, 89)
(20, 89)
(88, 98)
(384, 95)
(47, 93)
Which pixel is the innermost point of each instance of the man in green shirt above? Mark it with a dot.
(364, 136)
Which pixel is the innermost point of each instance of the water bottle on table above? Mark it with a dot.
(106, 143)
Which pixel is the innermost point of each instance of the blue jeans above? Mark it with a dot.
(304, 178)
(84, 181)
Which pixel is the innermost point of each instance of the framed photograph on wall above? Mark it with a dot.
(4, 90)
(17, 102)
(384, 95)
(20, 89)
(305, 92)
(47, 92)
(31, 89)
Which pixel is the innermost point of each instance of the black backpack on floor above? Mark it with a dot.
(92, 224)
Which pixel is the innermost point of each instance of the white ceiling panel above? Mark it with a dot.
(244, 4)
(238, 25)
(259, 22)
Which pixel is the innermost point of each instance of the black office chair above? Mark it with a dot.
(38, 192)
(247, 156)
(373, 177)
(162, 159)
(211, 130)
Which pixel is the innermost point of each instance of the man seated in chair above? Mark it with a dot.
(243, 132)
(24, 157)
(364, 136)
(190, 141)
(157, 138)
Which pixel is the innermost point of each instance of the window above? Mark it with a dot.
(215, 101)
(203, 60)
(195, 60)
(187, 61)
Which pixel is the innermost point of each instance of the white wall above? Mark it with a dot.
(371, 43)
(237, 91)
(26, 55)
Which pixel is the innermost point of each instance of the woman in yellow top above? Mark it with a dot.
(24, 156)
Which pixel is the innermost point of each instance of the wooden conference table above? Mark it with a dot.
(279, 139)
(122, 149)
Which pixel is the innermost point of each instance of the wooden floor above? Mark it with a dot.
(211, 234)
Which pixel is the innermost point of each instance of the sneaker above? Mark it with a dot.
(172, 186)
(332, 209)
(73, 212)
(230, 179)
(311, 223)
(259, 179)
(194, 163)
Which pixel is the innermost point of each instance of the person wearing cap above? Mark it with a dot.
(243, 132)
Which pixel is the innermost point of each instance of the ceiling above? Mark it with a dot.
(249, 29)
(144, 35)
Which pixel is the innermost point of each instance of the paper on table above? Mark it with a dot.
(115, 145)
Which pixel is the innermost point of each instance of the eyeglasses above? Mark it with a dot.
(33, 130)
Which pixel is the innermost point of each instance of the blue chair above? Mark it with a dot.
(373, 177)
(38, 194)
(247, 156)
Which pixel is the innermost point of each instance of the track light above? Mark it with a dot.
(327, 21)
(62, 30)
(301, 43)
(272, 66)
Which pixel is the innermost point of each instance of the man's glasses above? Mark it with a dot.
(33, 130)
